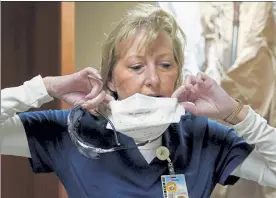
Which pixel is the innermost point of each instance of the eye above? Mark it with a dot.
(136, 67)
(166, 65)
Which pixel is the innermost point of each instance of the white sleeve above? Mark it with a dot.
(32, 94)
(260, 165)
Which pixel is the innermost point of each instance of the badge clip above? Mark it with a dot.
(163, 153)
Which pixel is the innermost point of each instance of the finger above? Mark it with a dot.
(178, 92)
(182, 94)
(193, 96)
(201, 76)
(206, 81)
(74, 99)
(190, 88)
(91, 104)
(194, 91)
(94, 78)
(96, 87)
(199, 82)
(190, 81)
(190, 107)
(90, 76)
(93, 72)
(108, 98)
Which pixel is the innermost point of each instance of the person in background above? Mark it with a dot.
(143, 55)
(240, 42)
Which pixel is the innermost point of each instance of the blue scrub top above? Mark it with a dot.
(205, 151)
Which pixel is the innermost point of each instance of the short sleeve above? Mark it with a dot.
(233, 150)
(45, 131)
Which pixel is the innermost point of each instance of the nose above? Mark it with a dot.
(152, 78)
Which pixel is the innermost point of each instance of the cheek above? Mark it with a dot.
(126, 83)
(168, 83)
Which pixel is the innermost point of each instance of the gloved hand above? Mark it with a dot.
(83, 87)
(202, 96)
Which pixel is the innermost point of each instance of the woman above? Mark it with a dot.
(143, 54)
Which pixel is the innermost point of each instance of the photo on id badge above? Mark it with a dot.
(174, 186)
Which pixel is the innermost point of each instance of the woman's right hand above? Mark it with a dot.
(81, 88)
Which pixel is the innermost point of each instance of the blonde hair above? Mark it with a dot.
(142, 17)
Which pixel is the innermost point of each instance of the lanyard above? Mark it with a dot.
(163, 153)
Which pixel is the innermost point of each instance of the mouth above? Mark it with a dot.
(154, 95)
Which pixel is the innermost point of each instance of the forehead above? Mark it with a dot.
(144, 44)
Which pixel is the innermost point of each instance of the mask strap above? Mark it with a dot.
(112, 126)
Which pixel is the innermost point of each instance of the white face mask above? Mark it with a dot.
(143, 117)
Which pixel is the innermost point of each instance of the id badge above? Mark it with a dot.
(174, 186)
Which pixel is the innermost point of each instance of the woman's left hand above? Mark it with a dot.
(202, 96)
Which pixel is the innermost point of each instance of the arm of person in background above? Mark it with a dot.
(74, 89)
(202, 96)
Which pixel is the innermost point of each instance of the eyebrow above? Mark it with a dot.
(134, 56)
(142, 56)
(164, 54)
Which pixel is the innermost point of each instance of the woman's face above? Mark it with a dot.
(149, 70)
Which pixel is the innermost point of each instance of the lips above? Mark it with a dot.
(154, 95)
